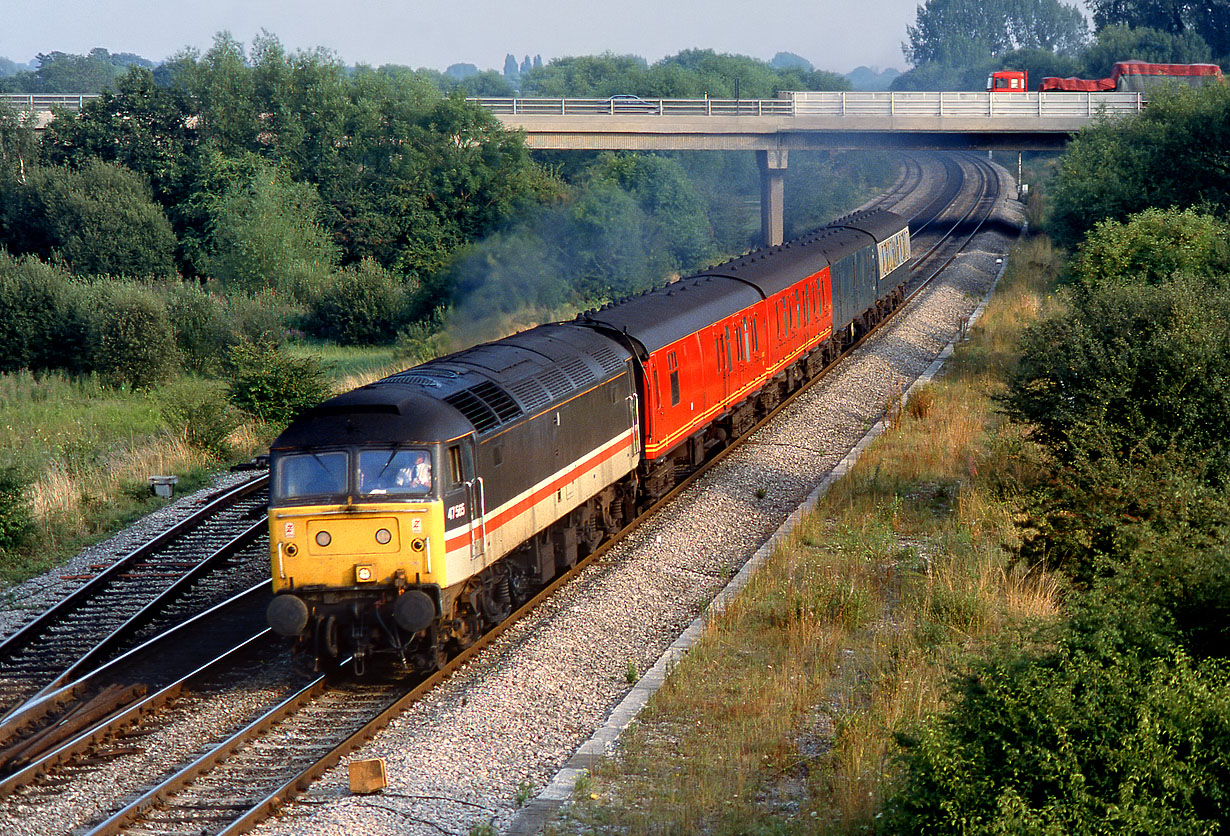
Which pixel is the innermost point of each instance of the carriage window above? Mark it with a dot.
(755, 338)
(747, 353)
(311, 474)
(729, 364)
(672, 363)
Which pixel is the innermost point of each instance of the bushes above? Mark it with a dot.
(1131, 370)
(203, 329)
(41, 318)
(200, 412)
(1153, 246)
(272, 386)
(129, 340)
(16, 523)
(99, 220)
(1076, 742)
(361, 305)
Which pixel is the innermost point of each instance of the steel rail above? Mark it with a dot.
(35, 628)
(146, 614)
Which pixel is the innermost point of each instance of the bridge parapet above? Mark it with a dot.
(839, 104)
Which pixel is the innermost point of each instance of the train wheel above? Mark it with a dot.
(328, 644)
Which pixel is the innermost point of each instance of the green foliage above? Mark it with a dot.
(272, 386)
(61, 72)
(261, 317)
(42, 318)
(952, 32)
(262, 227)
(1210, 22)
(1075, 741)
(1151, 247)
(1169, 155)
(362, 305)
(98, 220)
(1094, 519)
(1120, 43)
(141, 125)
(404, 175)
(1131, 371)
(129, 338)
(199, 411)
(16, 521)
(204, 330)
(689, 74)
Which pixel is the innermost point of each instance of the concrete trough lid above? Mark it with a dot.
(163, 486)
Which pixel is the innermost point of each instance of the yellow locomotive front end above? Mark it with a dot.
(356, 545)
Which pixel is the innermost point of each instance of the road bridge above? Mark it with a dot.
(800, 121)
(809, 121)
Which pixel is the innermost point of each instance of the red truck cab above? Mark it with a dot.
(1007, 81)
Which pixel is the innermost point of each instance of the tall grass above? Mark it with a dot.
(87, 450)
(781, 719)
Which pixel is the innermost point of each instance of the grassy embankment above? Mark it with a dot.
(781, 719)
(89, 448)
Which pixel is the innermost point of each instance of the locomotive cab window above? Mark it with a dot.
(310, 474)
(395, 473)
(454, 464)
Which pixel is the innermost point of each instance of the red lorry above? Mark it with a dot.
(1138, 76)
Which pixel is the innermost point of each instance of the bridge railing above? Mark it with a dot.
(637, 107)
(24, 103)
(839, 104)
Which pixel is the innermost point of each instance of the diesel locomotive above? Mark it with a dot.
(409, 515)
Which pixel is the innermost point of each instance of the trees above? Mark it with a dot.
(1120, 43)
(953, 32)
(61, 72)
(262, 227)
(1120, 167)
(100, 219)
(1209, 21)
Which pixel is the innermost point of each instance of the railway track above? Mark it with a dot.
(198, 562)
(205, 796)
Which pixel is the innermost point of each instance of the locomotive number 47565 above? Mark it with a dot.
(456, 512)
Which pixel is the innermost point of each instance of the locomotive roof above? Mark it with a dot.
(478, 389)
(375, 415)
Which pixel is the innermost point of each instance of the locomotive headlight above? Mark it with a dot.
(291, 550)
(362, 574)
(383, 536)
(418, 544)
(323, 538)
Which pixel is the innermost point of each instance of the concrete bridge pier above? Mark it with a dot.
(772, 195)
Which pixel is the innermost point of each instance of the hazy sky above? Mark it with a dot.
(833, 35)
